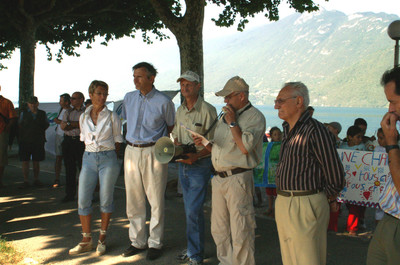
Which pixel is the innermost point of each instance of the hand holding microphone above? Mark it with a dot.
(230, 114)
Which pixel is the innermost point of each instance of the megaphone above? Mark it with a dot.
(166, 151)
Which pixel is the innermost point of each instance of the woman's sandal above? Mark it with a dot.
(56, 183)
(101, 246)
(82, 246)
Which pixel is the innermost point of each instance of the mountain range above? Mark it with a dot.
(339, 57)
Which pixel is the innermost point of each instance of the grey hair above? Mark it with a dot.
(301, 90)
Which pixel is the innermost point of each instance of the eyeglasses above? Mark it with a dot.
(231, 96)
(280, 101)
(101, 94)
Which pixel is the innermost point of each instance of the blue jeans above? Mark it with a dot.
(194, 180)
(98, 166)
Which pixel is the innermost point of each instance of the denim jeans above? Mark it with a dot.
(194, 180)
(98, 166)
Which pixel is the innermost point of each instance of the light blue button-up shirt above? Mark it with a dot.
(147, 116)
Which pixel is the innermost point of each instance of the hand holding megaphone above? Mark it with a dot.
(166, 151)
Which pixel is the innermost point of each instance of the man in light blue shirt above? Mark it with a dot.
(150, 115)
(384, 246)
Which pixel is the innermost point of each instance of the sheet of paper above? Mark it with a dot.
(204, 141)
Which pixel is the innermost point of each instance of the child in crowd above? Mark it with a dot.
(273, 155)
(356, 212)
(354, 139)
(368, 141)
(380, 148)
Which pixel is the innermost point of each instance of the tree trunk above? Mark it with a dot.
(190, 42)
(188, 31)
(27, 68)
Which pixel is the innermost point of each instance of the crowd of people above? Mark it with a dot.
(309, 175)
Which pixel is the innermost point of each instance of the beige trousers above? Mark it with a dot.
(302, 223)
(233, 219)
(144, 176)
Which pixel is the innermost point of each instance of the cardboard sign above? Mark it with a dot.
(366, 173)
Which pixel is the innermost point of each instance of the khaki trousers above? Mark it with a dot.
(302, 223)
(233, 219)
(384, 248)
(144, 176)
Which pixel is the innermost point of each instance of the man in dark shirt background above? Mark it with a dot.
(33, 123)
(309, 176)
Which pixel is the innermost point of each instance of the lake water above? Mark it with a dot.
(345, 116)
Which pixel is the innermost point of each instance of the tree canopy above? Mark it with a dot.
(188, 27)
(70, 23)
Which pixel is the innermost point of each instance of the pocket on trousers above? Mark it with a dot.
(248, 215)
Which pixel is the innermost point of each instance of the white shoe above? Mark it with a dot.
(101, 248)
(82, 246)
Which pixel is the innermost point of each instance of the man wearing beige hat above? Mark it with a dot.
(195, 170)
(235, 151)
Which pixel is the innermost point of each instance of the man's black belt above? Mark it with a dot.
(72, 137)
(225, 174)
(140, 145)
(297, 193)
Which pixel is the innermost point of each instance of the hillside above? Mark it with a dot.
(339, 57)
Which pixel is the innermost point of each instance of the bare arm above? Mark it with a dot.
(230, 116)
(170, 128)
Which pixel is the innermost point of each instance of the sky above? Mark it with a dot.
(113, 63)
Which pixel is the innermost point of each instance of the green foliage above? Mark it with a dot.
(247, 9)
(71, 23)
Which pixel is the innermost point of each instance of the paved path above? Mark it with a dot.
(43, 228)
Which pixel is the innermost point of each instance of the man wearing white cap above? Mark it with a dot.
(235, 151)
(195, 170)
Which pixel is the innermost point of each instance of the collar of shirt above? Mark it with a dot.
(245, 107)
(304, 118)
(148, 95)
(196, 106)
(102, 114)
(82, 108)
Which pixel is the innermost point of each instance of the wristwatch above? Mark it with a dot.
(390, 147)
(232, 124)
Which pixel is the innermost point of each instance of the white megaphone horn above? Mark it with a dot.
(166, 151)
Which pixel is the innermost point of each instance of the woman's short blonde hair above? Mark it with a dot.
(95, 84)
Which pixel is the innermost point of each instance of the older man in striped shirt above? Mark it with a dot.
(309, 176)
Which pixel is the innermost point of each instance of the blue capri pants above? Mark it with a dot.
(102, 166)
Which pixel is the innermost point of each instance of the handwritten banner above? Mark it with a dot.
(366, 174)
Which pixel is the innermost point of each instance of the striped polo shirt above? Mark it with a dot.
(308, 158)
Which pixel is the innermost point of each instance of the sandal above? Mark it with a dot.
(82, 246)
(56, 183)
(101, 246)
